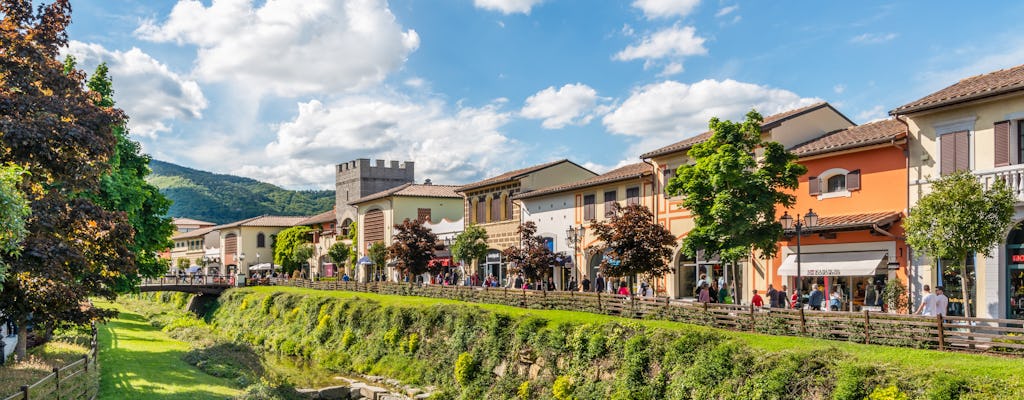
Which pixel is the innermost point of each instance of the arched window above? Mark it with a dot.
(836, 183)
(345, 226)
(261, 240)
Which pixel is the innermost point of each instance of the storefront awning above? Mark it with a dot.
(860, 263)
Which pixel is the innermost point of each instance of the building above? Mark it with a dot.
(789, 128)
(976, 124)
(188, 224)
(558, 208)
(324, 234)
(231, 248)
(856, 185)
(488, 203)
(377, 214)
(359, 178)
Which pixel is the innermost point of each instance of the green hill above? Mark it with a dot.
(225, 198)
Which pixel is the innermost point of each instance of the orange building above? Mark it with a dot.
(856, 184)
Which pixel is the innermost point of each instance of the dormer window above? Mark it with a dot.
(836, 182)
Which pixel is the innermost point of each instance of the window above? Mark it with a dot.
(508, 206)
(632, 195)
(345, 226)
(481, 210)
(669, 173)
(588, 207)
(836, 183)
(261, 240)
(954, 152)
(496, 208)
(423, 214)
(609, 203)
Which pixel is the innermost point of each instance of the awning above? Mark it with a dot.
(193, 269)
(364, 260)
(265, 267)
(859, 263)
(443, 262)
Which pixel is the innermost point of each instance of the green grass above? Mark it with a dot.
(138, 361)
(962, 364)
(64, 349)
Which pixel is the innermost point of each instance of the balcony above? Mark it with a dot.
(1012, 175)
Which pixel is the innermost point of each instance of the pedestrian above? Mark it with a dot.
(585, 284)
(835, 300)
(816, 298)
(795, 299)
(779, 300)
(704, 294)
(869, 296)
(771, 296)
(572, 285)
(713, 292)
(519, 282)
(756, 300)
(927, 307)
(599, 283)
(941, 301)
(723, 294)
(645, 290)
(623, 289)
(551, 284)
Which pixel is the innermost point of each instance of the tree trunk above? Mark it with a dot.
(21, 350)
(963, 287)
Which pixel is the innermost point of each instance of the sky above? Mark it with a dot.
(282, 90)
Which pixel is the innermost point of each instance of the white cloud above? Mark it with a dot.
(152, 95)
(627, 30)
(666, 8)
(674, 42)
(839, 88)
(669, 111)
(288, 47)
(448, 146)
(873, 38)
(871, 115)
(507, 6)
(672, 69)
(569, 105)
(726, 10)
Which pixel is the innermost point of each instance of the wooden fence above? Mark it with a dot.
(77, 380)
(1001, 336)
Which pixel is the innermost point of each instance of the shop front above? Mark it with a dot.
(857, 277)
(1015, 273)
(493, 267)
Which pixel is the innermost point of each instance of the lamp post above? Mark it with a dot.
(241, 274)
(809, 221)
(573, 237)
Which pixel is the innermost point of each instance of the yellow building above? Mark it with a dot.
(488, 203)
(976, 124)
(790, 128)
(231, 248)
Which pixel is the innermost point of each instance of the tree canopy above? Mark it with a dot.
(412, 247)
(287, 242)
(532, 257)
(633, 243)
(732, 194)
(14, 213)
(339, 252)
(378, 253)
(470, 244)
(960, 217)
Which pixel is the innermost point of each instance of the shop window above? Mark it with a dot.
(952, 283)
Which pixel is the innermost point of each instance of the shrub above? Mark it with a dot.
(887, 393)
(562, 388)
(347, 338)
(465, 369)
(850, 383)
(391, 337)
(947, 387)
(411, 344)
(524, 390)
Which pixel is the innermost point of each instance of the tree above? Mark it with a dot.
(54, 129)
(633, 243)
(14, 213)
(412, 247)
(301, 256)
(532, 257)
(287, 242)
(379, 256)
(125, 188)
(733, 195)
(339, 252)
(957, 218)
(183, 264)
(470, 245)
(353, 237)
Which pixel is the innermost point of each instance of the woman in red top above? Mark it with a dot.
(623, 290)
(757, 301)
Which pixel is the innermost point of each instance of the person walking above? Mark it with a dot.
(585, 284)
(704, 294)
(518, 282)
(599, 283)
(623, 289)
(927, 307)
(941, 301)
(756, 300)
(772, 302)
(816, 298)
(835, 301)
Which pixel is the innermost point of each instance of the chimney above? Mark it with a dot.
(428, 182)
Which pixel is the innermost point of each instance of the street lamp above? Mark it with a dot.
(810, 220)
(573, 237)
(240, 275)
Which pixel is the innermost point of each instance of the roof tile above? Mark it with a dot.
(508, 176)
(853, 137)
(975, 87)
(622, 173)
(412, 190)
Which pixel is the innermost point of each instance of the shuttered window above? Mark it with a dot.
(588, 207)
(955, 152)
(496, 208)
(508, 206)
(853, 180)
(609, 203)
(481, 210)
(632, 196)
(813, 186)
(836, 183)
(373, 231)
(1002, 143)
(423, 214)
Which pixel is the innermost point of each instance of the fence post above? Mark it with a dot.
(24, 390)
(599, 308)
(942, 335)
(867, 330)
(803, 323)
(753, 322)
(56, 381)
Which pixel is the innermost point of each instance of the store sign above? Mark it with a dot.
(1017, 258)
(823, 272)
(493, 258)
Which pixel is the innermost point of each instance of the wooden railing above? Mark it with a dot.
(1003, 336)
(77, 380)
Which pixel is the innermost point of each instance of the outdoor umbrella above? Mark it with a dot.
(364, 260)
(193, 269)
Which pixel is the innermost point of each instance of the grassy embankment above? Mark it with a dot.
(492, 351)
(66, 347)
(139, 361)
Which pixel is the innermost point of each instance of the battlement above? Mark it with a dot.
(364, 164)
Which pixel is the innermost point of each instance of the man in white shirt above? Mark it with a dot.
(941, 301)
(927, 306)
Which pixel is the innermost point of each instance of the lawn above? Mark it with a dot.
(138, 361)
(67, 347)
(996, 367)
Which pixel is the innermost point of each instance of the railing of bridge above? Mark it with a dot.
(194, 280)
(1003, 336)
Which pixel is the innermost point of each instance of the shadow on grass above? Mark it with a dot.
(138, 361)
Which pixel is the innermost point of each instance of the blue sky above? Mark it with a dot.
(281, 90)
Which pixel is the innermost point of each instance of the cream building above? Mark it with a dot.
(976, 124)
(231, 248)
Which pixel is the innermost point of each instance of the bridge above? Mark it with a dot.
(197, 284)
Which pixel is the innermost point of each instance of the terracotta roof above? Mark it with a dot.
(619, 174)
(769, 122)
(509, 176)
(973, 88)
(412, 190)
(853, 137)
(835, 223)
(326, 216)
(190, 221)
(193, 233)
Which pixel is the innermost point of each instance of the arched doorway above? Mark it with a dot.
(1015, 273)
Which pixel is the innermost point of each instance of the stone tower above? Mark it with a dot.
(359, 178)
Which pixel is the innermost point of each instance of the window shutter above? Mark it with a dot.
(963, 155)
(1002, 142)
(947, 158)
(813, 186)
(423, 214)
(853, 180)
